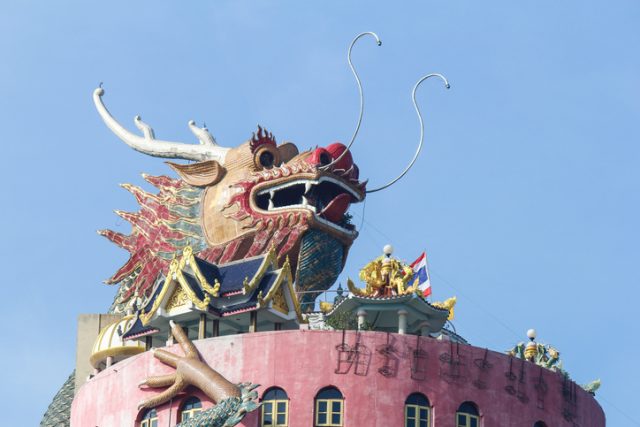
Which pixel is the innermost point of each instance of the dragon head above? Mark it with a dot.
(236, 203)
(263, 187)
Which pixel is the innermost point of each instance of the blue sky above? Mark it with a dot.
(525, 197)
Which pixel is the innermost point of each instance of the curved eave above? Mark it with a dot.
(395, 299)
(285, 278)
(269, 262)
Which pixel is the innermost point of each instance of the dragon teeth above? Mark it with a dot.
(271, 207)
(307, 187)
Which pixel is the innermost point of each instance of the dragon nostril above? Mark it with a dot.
(325, 158)
(320, 157)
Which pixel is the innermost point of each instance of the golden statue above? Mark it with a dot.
(384, 277)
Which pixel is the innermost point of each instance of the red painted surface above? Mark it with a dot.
(303, 362)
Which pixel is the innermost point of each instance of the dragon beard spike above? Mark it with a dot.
(163, 183)
(140, 195)
(260, 138)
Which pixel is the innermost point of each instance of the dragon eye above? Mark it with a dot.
(266, 159)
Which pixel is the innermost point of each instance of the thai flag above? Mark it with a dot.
(421, 274)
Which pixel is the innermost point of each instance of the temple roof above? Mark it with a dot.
(195, 285)
(382, 311)
(231, 276)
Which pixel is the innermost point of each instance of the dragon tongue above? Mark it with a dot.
(336, 208)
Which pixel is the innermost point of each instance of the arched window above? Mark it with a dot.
(149, 419)
(329, 408)
(190, 407)
(275, 408)
(468, 415)
(417, 411)
(539, 424)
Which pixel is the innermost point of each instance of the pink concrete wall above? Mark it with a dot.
(303, 362)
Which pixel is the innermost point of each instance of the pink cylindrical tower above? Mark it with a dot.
(381, 378)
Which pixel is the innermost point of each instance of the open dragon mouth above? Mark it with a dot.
(326, 197)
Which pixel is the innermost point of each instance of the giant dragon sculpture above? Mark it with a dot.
(235, 203)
